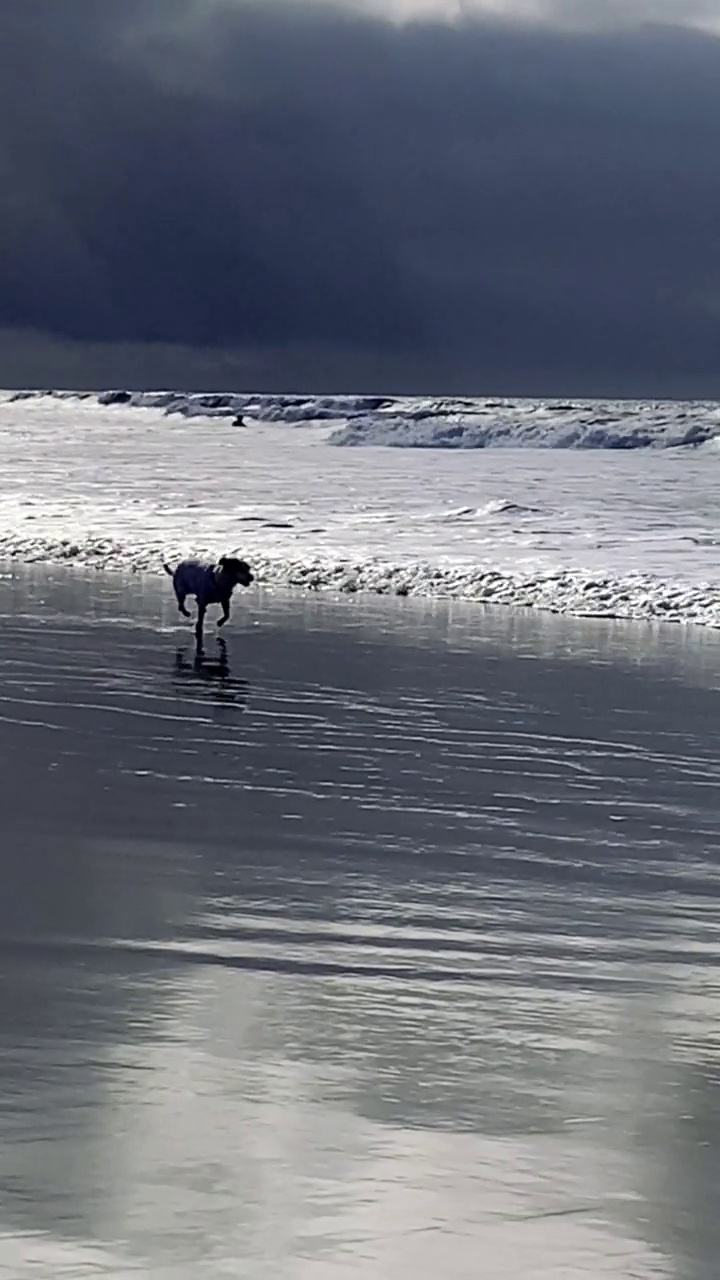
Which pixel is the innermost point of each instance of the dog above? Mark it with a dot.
(210, 584)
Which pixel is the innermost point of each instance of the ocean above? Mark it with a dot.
(598, 509)
(383, 936)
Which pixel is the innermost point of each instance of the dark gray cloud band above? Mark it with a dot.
(509, 201)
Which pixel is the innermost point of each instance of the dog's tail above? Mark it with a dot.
(167, 569)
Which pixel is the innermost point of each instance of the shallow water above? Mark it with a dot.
(389, 947)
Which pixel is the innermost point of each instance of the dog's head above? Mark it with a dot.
(236, 571)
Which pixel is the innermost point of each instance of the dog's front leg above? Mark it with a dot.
(225, 613)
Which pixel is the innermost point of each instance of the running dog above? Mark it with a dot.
(210, 584)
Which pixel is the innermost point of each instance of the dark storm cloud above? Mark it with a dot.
(520, 203)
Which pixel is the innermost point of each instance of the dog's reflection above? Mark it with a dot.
(213, 673)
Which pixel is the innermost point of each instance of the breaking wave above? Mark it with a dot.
(446, 423)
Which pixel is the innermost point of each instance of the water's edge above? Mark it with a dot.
(637, 597)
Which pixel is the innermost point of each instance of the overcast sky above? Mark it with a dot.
(500, 197)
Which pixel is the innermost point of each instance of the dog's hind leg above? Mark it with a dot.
(181, 603)
(199, 624)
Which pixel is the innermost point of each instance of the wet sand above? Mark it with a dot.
(384, 940)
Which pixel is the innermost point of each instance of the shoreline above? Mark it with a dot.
(561, 593)
(79, 598)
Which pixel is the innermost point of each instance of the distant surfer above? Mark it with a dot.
(239, 421)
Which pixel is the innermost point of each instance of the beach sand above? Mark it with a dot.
(384, 941)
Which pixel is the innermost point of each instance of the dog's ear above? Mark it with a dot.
(222, 561)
